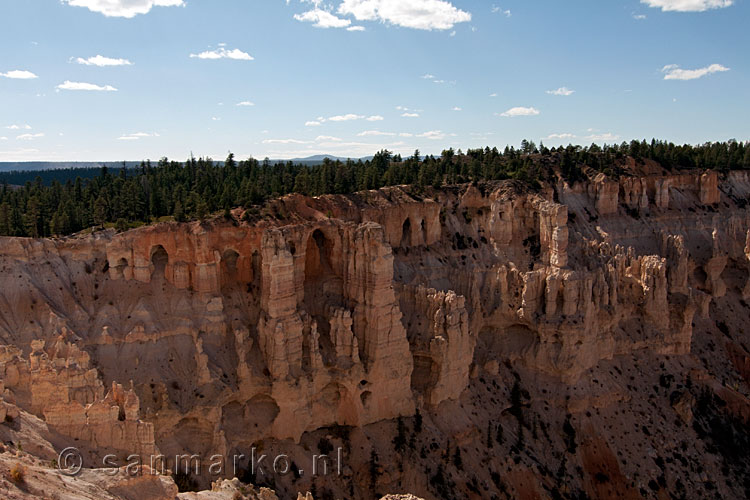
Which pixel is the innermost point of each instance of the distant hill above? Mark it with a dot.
(25, 166)
(32, 166)
(19, 173)
(320, 158)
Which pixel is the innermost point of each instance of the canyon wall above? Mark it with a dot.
(354, 310)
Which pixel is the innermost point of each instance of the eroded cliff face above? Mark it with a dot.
(349, 311)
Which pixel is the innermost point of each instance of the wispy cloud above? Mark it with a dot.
(123, 8)
(674, 72)
(18, 74)
(68, 85)
(688, 5)
(19, 127)
(410, 115)
(456, 108)
(561, 136)
(343, 118)
(435, 135)
(563, 91)
(223, 53)
(639, 17)
(136, 136)
(245, 103)
(101, 61)
(520, 111)
(285, 141)
(496, 9)
(368, 133)
(29, 137)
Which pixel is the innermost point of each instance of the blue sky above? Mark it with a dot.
(110, 80)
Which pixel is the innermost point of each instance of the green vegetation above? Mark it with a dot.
(128, 197)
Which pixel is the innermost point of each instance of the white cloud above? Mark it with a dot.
(19, 127)
(285, 141)
(564, 91)
(673, 72)
(28, 137)
(417, 14)
(68, 85)
(345, 118)
(688, 5)
(405, 134)
(427, 76)
(368, 133)
(245, 103)
(520, 111)
(136, 136)
(223, 53)
(327, 138)
(3, 138)
(18, 74)
(410, 115)
(435, 135)
(101, 61)
(355, 28)
(639, 17)
(561, 136)
(602, 137)
(322, 19)
(494, 94)
(456, 108)
(123, 8)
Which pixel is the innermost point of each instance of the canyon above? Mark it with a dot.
(600, 328)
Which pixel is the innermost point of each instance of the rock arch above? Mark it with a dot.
(244, 422)
(323, 287)
(120, 269)
(406, 240)
(229, 269)
(423, 377)
(159, 261)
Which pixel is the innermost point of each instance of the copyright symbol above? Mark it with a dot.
(70, 462)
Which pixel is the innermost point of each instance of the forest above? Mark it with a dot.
(194, 189)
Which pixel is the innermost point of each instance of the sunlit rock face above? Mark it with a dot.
(350, 310)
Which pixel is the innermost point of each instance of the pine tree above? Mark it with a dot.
(100, 211)
(179, 214)
(399, 442)
(4, 219)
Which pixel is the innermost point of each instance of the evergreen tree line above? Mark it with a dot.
(197, 187)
